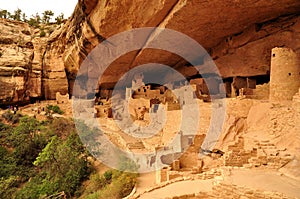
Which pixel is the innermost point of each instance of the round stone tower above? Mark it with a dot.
(285, 74)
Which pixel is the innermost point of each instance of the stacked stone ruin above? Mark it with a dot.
(263, 154)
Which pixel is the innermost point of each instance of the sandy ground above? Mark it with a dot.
(265, 180)
(180, 188)
(254, 179)
(145, 181)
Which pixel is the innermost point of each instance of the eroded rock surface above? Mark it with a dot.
(27, 69)
(16, 55)
(239, 36)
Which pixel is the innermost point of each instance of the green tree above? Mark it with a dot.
(27, 141)
(59, 19)
(53, 108)
(34, 20)
(37, 18)
(24, 17)
(4, 14)
(42, 33)
(10, 16)
(64, 164)
(47, 15)
(17, 14)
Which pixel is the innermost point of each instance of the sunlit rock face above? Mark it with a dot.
(27, 71)
(239, 36)
(20, 75)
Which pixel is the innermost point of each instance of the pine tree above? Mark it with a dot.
(59, 19)
(47, 14)
(17, 14)
(3, 14)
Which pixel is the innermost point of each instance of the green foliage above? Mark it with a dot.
(42, 158)
(4, 14)
(34, 20)
(24, 18)
(8, 165)
(64, 164)
(53, 108)
(96, 182)
(42, 33)
(7, 15)
(17, 14)
(59, 19)
(8, 187)
(108, 175)
(25, 141)
(47, 15)
(60, 158)
(112, 184)
(10, 117)
(62, 127)
(88, 136)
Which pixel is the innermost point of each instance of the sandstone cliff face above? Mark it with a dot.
(16, 72)
(26, 69)
(239, 36)
(54, 75)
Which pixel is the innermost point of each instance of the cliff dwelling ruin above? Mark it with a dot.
(219, 122)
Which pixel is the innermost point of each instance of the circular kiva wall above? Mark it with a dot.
(285, 74)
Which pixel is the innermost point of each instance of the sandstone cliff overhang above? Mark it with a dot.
(238, 35)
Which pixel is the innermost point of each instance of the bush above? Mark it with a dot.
(7, 163)
(64, 164)
(35, 150)
(62, 127)
(50, 31)
(8, 187)
(42, 33)
(3, 127)
(108, 175)
(54, 109)
(33, 22)
(112, 184)
(10, 117)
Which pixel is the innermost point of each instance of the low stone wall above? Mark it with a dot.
(264, 153)
(261, 92)
(230, 191)
(223, 190)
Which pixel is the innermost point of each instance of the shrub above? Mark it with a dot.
(33, 22)
(10, 117)
(108, 175)
(62, 127)
(64, 164)
(112, 184)
(54, 108)
(8, 187)
(32, 150)
(8, 165)
(42, 33)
